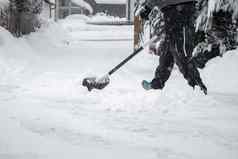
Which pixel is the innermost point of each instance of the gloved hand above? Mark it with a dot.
(144, 12)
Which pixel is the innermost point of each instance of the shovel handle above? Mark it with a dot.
(132, 55)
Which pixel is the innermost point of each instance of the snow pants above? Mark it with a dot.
(178, 45)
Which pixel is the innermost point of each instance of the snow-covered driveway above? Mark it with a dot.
(45, 113)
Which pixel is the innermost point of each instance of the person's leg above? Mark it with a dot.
(163, 71)
(188, 69)
(180, 31)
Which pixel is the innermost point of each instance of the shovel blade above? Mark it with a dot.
(94, 83)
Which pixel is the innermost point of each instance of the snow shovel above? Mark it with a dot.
(100, 83)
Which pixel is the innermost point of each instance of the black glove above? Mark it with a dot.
(145, 12)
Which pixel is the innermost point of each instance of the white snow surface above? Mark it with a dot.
(45, 113)
(101, 17)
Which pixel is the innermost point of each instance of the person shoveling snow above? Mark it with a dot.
(180, 44)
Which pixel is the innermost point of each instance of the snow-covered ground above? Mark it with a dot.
(45, 113)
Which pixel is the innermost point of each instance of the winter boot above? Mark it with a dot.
(194, 77)
(146, 85)
(156, 83)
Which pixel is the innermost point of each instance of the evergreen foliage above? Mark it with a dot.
(207, 8)
(23, 16)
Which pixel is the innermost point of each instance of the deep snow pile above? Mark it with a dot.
(14, 55)
(50, 115)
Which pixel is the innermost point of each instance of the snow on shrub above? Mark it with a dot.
(226, 5)
(210, 6)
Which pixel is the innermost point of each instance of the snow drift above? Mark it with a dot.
(103, 18)
(14, 54)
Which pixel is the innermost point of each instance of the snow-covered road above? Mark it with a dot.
(45, 113)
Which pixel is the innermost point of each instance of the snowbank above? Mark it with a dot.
(13, 56)
(221, 75)
(19, 55)
(103, 18)
(98, 19)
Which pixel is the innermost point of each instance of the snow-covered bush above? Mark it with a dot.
(208, 7)
(23, 16)
(226, 5)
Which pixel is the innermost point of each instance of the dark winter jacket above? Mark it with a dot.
(163, 3)
(148, 6)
